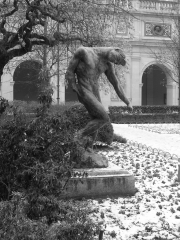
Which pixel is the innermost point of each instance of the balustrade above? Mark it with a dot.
(153, 5)
(145, 5)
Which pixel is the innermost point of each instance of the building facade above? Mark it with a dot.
(147, 81)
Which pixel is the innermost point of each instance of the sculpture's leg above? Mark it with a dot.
(82, 153)
(94, 137)
(96, 111)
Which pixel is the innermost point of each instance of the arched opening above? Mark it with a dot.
(26, 79)
(154, 90)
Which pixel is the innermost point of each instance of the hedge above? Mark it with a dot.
(144, 114)
(144, 109)
(144, 118)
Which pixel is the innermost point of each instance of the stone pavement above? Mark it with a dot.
(165, 142)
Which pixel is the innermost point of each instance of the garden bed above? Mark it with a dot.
(159, 128)
(154, 212)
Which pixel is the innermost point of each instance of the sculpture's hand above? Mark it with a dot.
(130, 106)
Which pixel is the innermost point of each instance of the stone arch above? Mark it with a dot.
(26, 80)
(167, 70)
(157, 85)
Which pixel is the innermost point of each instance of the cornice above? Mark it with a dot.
(155, 15)
(146, 43)
(147, 14)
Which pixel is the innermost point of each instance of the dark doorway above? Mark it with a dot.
(70, 95)
(154, 86)
(26, 78)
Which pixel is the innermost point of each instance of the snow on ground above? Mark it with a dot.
(164, 141)
(153, 213)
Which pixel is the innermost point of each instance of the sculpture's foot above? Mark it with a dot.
(86, 159)
(91, 159)
(83, 156)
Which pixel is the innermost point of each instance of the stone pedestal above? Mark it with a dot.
(100, 182)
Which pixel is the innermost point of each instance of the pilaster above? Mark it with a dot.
(11, 93)
(171, 94)
(140, 93)
(135, 80)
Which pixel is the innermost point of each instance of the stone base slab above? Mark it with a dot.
(100, 182)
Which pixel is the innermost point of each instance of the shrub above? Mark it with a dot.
(145, 118)
(25, 107)
(32, 155)
(144, 109)
(106, 133)
(14, 223)
(117, 138)
(75, 223)
(33, 171)
(68, 220)
(3, 105)
(144, 114)
(34, 168)
(61, 108)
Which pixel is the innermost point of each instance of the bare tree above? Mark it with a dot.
(27, 26)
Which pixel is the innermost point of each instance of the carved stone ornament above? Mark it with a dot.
(157, 30)
(122, 28)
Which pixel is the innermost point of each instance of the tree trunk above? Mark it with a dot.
(58, 68)
(1, 73)
(179, 54)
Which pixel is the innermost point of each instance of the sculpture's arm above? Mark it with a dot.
(70, 73)
(110, 74)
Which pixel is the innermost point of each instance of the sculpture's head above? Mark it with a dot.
(116, 56)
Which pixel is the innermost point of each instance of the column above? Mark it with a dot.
(11, 94)
(150, 88)
(135, 76)
(7, 86)
(62, 91)
(140, 93)
(0, 89)
(171, 94)
(56, 89)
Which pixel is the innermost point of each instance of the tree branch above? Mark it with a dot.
(63, 37)
(2, 28)
(54, 15)
(15, 4)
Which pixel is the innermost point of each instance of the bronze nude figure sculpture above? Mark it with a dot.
(85, 67)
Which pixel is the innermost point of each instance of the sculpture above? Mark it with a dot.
(84, 69)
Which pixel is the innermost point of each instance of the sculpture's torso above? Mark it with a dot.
(91, 65)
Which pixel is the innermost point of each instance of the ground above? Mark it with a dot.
(153, 213)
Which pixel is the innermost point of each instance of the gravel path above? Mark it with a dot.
(165, 142)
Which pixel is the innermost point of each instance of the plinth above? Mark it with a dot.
(100, 182)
